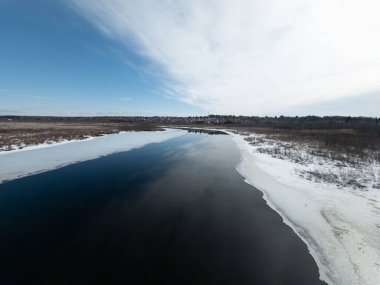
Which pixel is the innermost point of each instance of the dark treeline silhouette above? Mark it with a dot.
(281, 122)
(204, 131)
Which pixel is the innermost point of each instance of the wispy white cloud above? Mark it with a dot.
(253, 56)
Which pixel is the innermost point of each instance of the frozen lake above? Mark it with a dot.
(174, 212)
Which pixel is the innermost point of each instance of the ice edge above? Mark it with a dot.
(302, 233)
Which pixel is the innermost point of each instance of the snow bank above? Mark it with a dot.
(341, 227)
(23, 147)
(35, 159)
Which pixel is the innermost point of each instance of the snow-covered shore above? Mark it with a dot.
(35, 159)
(341, 226)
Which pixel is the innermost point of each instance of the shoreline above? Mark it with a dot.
(342, 244)
(50, 144)
(44, 157)
(298, 230)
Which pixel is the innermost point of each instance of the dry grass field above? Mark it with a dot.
(20, 133)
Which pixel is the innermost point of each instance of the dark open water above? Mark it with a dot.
(176, 212)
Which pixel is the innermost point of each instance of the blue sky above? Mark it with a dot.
(54, 62)
(127, 57)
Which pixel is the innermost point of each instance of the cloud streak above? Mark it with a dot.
(250, 57)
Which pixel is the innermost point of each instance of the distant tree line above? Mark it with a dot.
(280, 122)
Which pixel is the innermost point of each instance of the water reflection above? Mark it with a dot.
(169, 213)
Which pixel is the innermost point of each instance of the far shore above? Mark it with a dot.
(28, 133)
